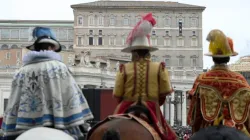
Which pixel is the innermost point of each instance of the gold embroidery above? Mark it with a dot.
(239, 105)
(210, 103)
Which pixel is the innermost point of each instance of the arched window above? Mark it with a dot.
(71, 47)
(91, 20)
(4, 46)
(64, 47)
(14, 46)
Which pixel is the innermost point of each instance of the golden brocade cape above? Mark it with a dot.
(220, 96)
(143, 78)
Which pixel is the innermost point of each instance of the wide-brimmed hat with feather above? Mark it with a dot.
(139, 37)
(44, 35)
(220, 45)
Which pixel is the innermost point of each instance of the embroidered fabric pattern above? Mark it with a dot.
(45, 96)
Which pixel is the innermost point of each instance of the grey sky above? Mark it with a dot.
(231, 16)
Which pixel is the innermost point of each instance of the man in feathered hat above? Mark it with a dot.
(43, 91)
(220, 96)
(142, 79)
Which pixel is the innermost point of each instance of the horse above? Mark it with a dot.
(220, 132)
(119, 128)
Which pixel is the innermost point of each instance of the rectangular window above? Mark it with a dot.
(111, 41)
(123, 40)
(5, 34)
(181, 62)
(91, 41)
(167, 42)
(137, 20)
(167, 62)
(100, 32)
(100, 41)
(8, 55)
(153, 32)
(180, 42)
(194, 42)
(79, 40)
(18, 54)
(112, 21)
(193, 62)
(80, 21)
(167, 21)
(90, 32)
(193, 22)
(100, 21)
(125, 21)
(167, 33)
(154, 41)
(5, 103)
(91, 21)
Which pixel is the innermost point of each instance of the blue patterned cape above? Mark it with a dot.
(44, 93)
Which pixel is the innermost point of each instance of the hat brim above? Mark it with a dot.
(47, 40)
(132, 48)
(221, 56)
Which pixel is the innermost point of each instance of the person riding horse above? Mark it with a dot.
(142, 80)
(220, 96)
(44, 93)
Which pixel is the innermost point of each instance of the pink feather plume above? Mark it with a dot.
(142, 28)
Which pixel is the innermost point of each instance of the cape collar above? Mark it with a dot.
(34, 56)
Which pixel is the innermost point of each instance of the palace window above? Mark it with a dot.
(100, 32)
(112, 20)
(153, 32)
(91, 20)
(91, 41)
(167, 61)
(5, 103)
(14, 34)
(180, 42)
(154, 58)
(193, 33)
(79, 40)
(181, 62)
(100, 41)
(100, 20)
(154, 41)
(193, 62)
(5, 34)
(80, 20)
(167, 21)
(137, 20)
(24, 33)
(8, 55)
(18, 54)
(194, 22)
(194, 42)
(167, 42)
(123, 40)
(111, 40)
(180, 20)
(126, 21)
(90, 32)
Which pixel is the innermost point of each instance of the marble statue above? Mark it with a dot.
(108, 65)
(98, 63)
(117, 65)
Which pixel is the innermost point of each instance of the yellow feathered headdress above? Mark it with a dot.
(220, 45)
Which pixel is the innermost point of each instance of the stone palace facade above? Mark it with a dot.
(101, 28)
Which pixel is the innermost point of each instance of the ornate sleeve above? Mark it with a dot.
(164, 84)
(164, 81)
(119, 82)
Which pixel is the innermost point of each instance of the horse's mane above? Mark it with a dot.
(111, 134)
(218, 133)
